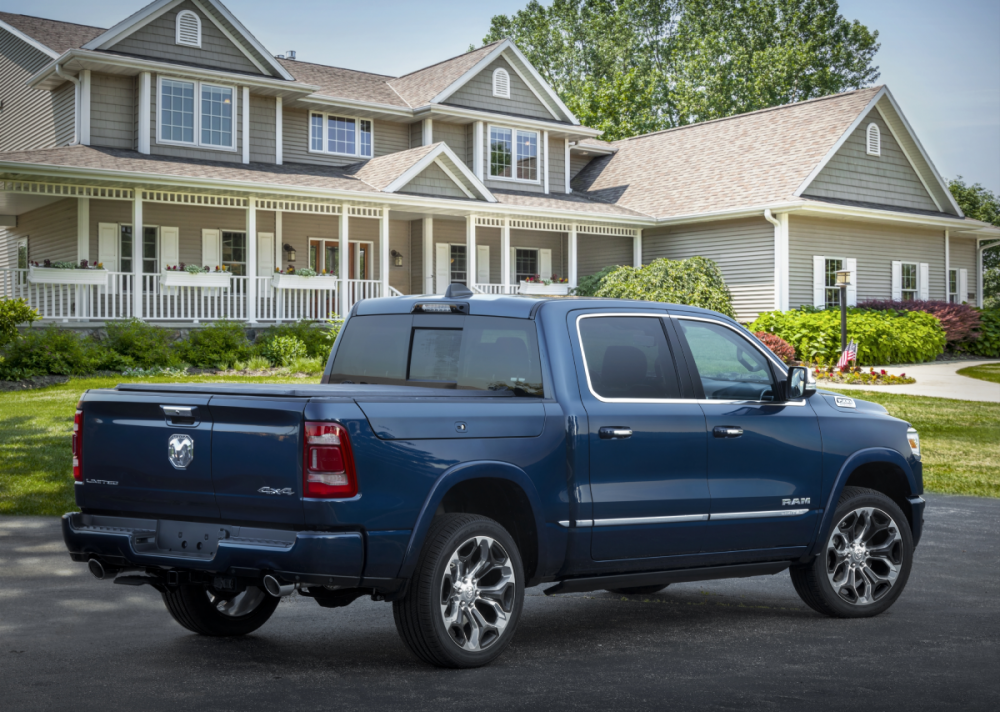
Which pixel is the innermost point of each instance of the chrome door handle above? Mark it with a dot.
(615, 433)
(727, 431)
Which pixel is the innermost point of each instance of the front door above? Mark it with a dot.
(647, 444)
(764, 454)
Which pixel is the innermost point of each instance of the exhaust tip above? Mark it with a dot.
(274, 587)
(99, 571)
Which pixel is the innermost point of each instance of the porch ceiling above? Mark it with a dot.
(15, 204)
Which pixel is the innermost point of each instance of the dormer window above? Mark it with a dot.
(340, 135)
(501, 83)
(188, 29)
(874, 141)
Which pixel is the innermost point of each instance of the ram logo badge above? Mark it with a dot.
(180, 451)
(845, 402)
(793, 502)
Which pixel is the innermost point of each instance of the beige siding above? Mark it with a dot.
(454, 135)
(416, 134)
(887, 179)
(51, 232)
(478, 94)
(399, 240)
(415, 257)
(595, 252)
(158, 39)
(962, 253)
(874, 245)
(577, 163)
(263, 147)
(743, 249)
(390, 137)
(64, 113)
(490, 236)
(203, 154)
(112, 111)
(108, 211)
(31, 118)
(433, 181)
(557, 165)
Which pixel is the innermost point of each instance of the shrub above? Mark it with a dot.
(959, 321)
(778, 346)
(52, 350)
(221, 343)
(883, 337)
(305, 365)
(588, 286)
(282, 350)
(258, 363)
(145, 344)
(14, 312)
(316, 337)
(988, 343)
(696, 281)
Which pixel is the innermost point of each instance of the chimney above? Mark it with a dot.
(291, 54)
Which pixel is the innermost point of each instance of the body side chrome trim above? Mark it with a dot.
(760, 515)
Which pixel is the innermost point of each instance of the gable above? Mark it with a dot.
(157, 40)
(887, 179)
(432, 180)
(477, 93)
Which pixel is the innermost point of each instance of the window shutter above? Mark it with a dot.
(211, 248)
(265, 254)
(897, 281)
(188, 29)
(924, 286)
(442, 268)
(170, 249)
(963, 285)
(819, 281)
(545, 264)
(501, 83)
(513, 265)
(851, 265)
(483, 264)
(874, 140)
(107, 246)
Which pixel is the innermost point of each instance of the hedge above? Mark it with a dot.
(696, 281)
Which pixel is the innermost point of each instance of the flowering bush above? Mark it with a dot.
(555, 279)
(959, 321)
(857, 375)
(778, 346)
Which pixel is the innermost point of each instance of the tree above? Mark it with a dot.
(979, 203)
(634, 66)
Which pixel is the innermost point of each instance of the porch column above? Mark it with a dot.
(545, 160)
(470, 250)
(252, 260)
(345, 256)
(572, 257)
(82, 229)
(137, 253)
(427, 234)
(427, 137)
(278, 240)
(637, 249)
(383, 251)
(145, 101)
(505, 255)
(947, 265)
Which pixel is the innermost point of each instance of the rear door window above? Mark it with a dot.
(628, 357)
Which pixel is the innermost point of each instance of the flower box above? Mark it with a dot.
(296, 281)
(179, 278)
(557, 288)
(54, 275)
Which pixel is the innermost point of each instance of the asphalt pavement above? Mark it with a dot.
(68, 641)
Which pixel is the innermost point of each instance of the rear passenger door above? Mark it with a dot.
(647, 442)
(764, 454)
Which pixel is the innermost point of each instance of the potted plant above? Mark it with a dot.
(196, 276)
(302, 278)
(78, 273)
(555, 285)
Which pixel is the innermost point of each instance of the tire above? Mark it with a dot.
(445, 619)
(201, 610)
(847, 580)
(638, 590)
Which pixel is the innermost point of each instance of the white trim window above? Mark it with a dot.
(501, 83)
(953, 286)
(514, 155)
(208, 122)
(525, 263)
(909, 282)
(341, 135)
(831, 292)
(22, 253)
(234, 252)
(188, 30)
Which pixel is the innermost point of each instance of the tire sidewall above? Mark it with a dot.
(846, 505)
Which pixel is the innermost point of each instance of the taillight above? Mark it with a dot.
(328, 465)
(78, 444)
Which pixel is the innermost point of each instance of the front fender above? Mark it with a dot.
(859, 458)
(492, 469)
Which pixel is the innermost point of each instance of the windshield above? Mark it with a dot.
(479, 353)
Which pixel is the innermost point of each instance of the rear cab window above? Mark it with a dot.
(628, 357)
(479, 353)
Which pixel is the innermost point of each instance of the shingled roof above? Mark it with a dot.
(345, 83)
(737, 162)
(419, 87)
(57, 36)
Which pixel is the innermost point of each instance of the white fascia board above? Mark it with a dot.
(434, 155)
(840, 142)
(493, 116)
(544, 84)
(31, 41)
(130, 24)
(248, 36)
(229, 36)
(909, 160)
(322, 100)
(447, 171)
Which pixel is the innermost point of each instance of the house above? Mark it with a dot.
(471, 170)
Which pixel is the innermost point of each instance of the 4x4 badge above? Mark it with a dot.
(271, 490)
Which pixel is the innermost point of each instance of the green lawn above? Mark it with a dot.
(987, 372)
(961, 441)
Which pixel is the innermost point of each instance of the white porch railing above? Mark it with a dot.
(71, 302)
(358, 289)
(194, 303)
(295, 304)
(497, 288)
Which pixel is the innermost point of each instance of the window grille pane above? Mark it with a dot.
(316, 132)
(500, 153)
(458, 264)
(234, 252)
(527, 155)
(216, 116)
(22, 256)
(177, 111)
(525, 264)
(125, 248)
(340, 135)
(832, 267)
(909, 274)
(366, 138)
(149, 261)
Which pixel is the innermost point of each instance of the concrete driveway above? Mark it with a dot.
(74, 643)
(939, 380)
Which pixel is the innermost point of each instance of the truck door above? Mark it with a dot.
(647, 442)
(764, 455)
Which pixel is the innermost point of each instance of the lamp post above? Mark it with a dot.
(843, 280)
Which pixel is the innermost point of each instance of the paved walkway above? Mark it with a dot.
(939, 380)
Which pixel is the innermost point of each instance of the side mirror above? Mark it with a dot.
(800, 383)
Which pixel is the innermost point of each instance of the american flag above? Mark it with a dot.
(850, 354)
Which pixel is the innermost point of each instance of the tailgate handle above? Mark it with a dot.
(179, 414)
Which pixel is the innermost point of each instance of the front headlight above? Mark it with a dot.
(913, 438)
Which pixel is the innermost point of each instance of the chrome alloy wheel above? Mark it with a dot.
(238, 605)
(864, 556)
(477, 593)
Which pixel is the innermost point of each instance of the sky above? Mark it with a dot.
(941, 60)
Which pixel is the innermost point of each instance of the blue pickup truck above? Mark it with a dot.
(463, 447)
